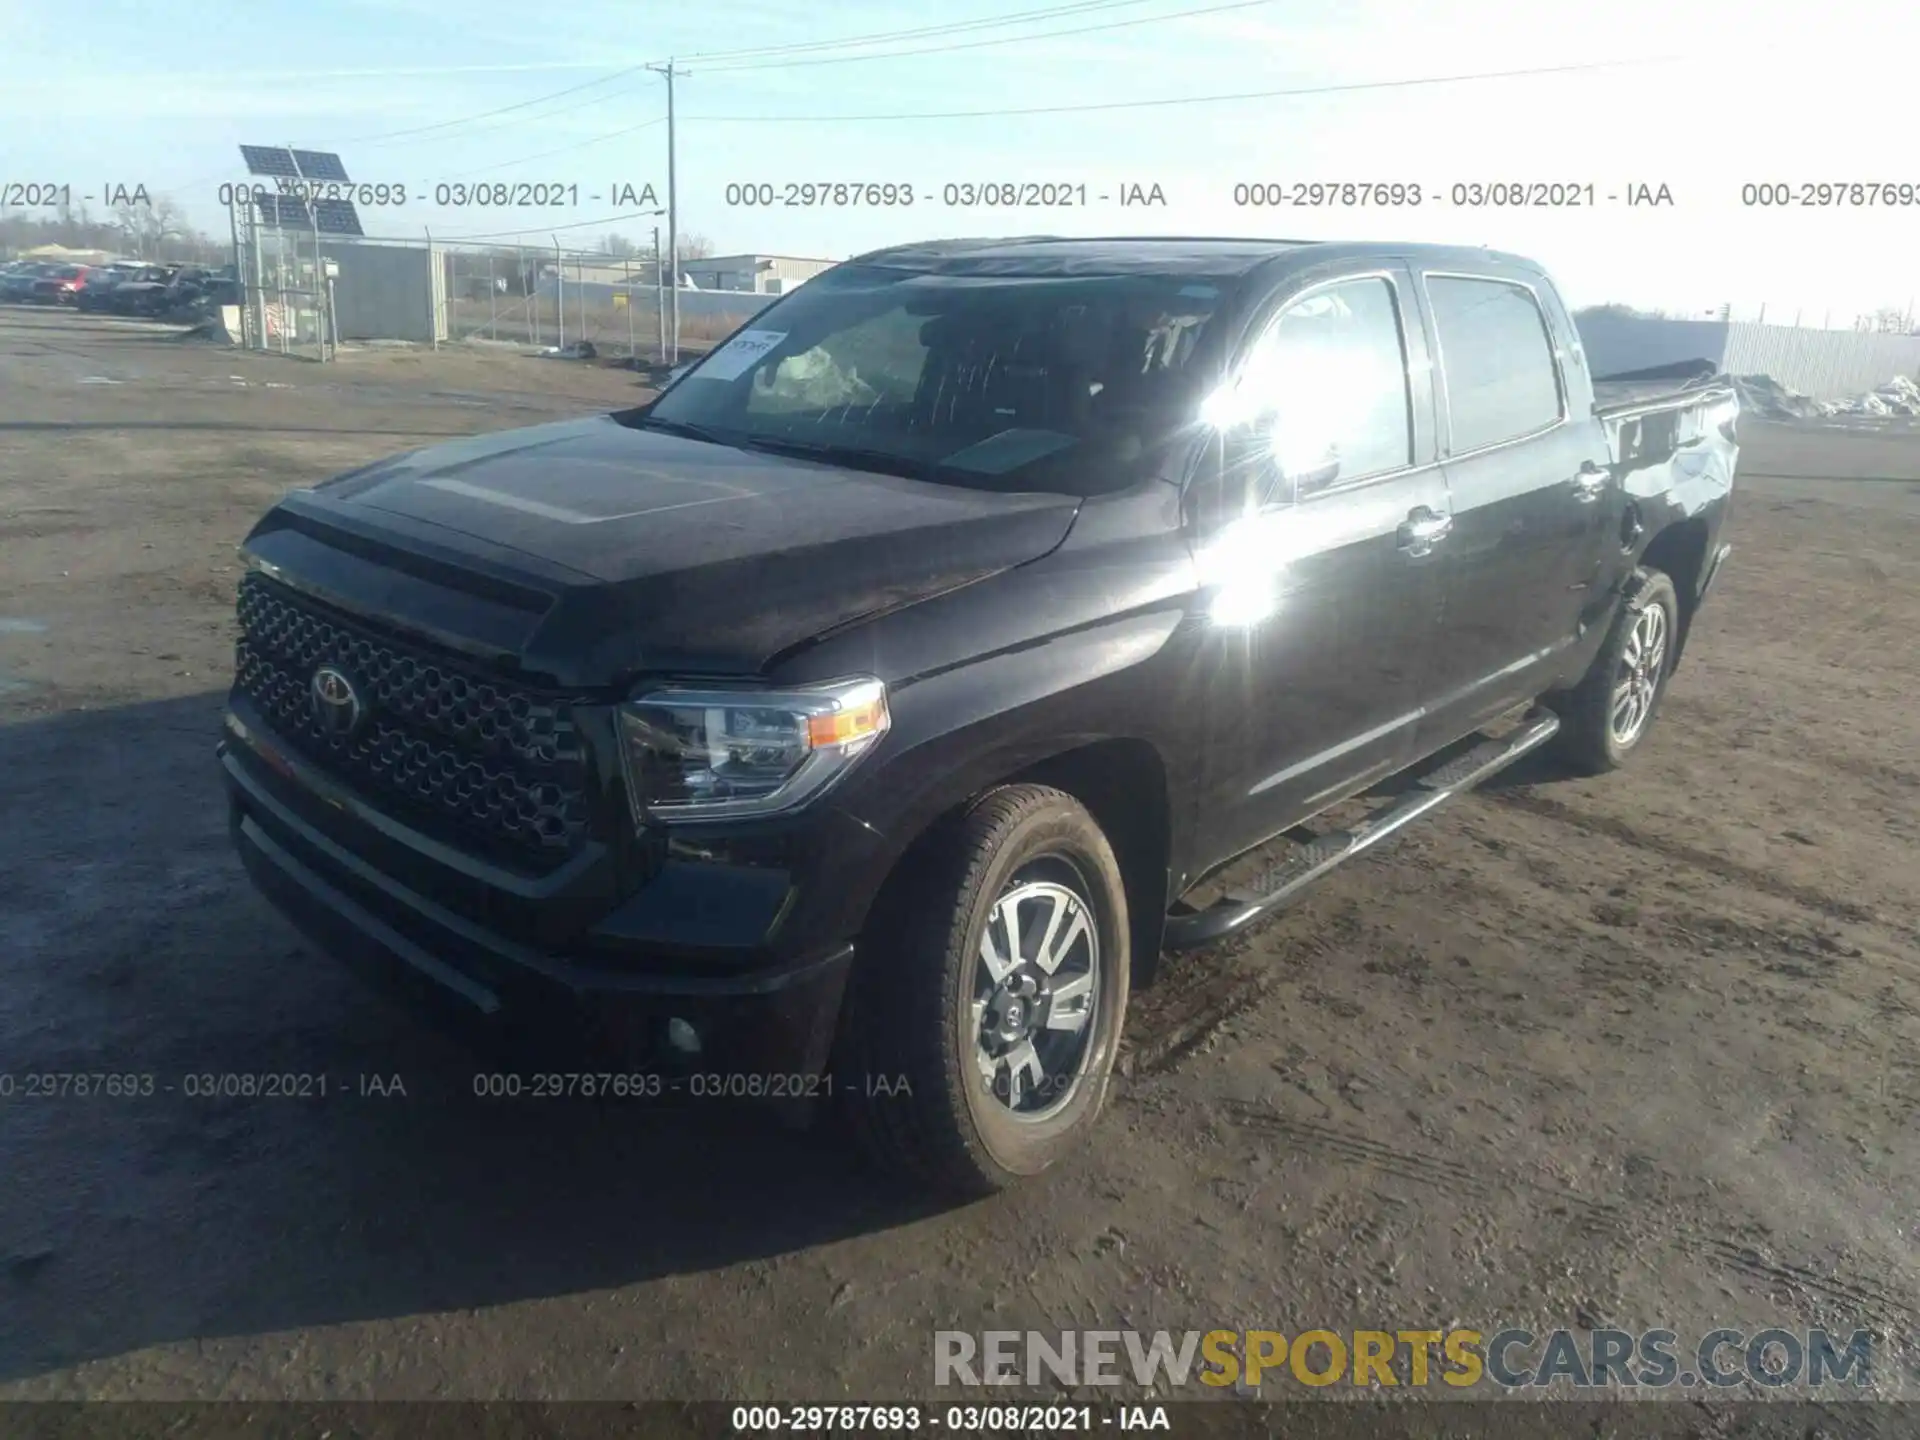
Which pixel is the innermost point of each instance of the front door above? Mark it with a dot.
(1323, 598)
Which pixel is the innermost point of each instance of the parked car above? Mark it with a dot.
(185, 288)
(102, 284)
(862, 718)
(62, 285)
(16, 284)
(146, 295)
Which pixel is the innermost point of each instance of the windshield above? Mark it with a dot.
(1060, 383)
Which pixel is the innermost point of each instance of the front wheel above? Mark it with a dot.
(1605, 718)
(987, 1006)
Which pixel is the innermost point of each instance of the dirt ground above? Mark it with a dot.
(1639, 1051)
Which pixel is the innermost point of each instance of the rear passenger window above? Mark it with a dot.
(1497, 357)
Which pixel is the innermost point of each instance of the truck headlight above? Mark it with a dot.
(710, 754)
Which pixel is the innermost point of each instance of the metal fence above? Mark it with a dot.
(282, 284)
(554, 297)
(1824, 364)
(304, 292)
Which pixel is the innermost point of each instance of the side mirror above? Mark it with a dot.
(1278, 485)
(1318, 477)
(1272, 485)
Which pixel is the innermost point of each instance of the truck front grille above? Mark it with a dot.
(442, 746)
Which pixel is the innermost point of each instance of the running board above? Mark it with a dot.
(1308, 862)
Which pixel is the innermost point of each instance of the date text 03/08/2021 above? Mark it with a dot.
(961, 1419)
(695, 1085)
(453, 195)
(86, 1085)
(1060, 194)
(490, 1085)
(1464, 194)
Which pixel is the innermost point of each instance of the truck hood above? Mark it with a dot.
(620, 550)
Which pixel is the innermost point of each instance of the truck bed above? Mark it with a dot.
(1660, 388)
(1652, 416)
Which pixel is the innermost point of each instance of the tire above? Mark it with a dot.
(1621, 683)
(911, 1066)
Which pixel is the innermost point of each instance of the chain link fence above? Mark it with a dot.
(282, 286)
(556, 298)
(304, 292)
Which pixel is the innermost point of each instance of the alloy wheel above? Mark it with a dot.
(1638, 675)
(1036, 991)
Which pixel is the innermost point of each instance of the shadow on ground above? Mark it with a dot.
(131, 945)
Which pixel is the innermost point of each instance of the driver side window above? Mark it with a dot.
(1330, 380)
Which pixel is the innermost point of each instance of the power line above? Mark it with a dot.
(563, 150)
(550, 229)
(778, 63)
(879, 37)
(921, 32)
(1357, 86)
(775, 63)
(510, 123)
(1184, 99)
(502, 110)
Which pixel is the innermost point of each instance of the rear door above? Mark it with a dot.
(1323, 610)
(1528, 481)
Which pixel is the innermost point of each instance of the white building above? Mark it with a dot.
(761, 274)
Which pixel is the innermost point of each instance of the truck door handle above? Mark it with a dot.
(1422, 530)
(1590, 484)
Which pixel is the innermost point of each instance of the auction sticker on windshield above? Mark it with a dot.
(736, 357)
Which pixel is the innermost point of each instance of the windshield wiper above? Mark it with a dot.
(689, 431)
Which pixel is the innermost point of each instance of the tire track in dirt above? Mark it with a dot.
(1229, 991)
(1806, 1286)
(1720, 865)
(1873, 770)
(1217, 983)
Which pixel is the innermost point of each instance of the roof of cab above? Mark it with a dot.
(1212, 257)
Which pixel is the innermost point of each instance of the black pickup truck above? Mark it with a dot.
(865, 715)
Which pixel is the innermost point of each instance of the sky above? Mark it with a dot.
(1703, 98)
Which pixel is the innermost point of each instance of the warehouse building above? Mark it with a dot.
(761, 274)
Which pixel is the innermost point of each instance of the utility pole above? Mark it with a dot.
(673, 216)
(659, 295)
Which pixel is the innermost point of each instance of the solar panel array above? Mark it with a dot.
(286, 212)
(319, 164)
(337, 217)
(274, 160)
(285, 164)
(293, 212)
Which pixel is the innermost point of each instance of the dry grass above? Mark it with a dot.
(604, 324)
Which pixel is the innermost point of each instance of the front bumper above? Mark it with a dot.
(609, 997)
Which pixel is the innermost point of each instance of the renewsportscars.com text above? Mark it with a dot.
(1510, 1359)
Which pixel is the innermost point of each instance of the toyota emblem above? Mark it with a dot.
(336, 704)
